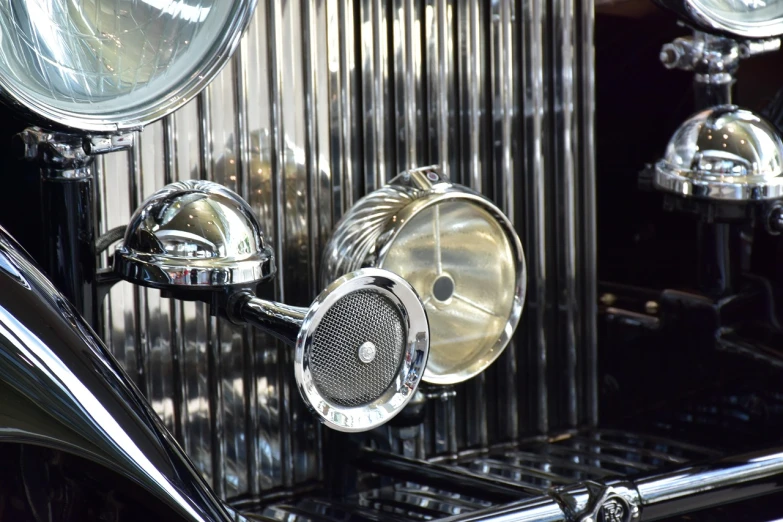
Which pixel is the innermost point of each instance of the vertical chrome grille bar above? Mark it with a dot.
(264, 365)
(585, 12)
(534, 226)
(441, 83)
(139, 294)
(375, 73)
(343, 85)
(247, 345)
(504, 118)
(226, 168)
(406, 42)
(472, 34)
(564, 146)
(212, 341)
(275, 39)
(318, 188)
(324, 183)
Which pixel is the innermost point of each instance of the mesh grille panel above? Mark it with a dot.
(355, 319)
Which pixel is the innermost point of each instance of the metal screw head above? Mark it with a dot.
(367, 352)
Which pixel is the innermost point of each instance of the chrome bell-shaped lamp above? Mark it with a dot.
(723, 154)
(360, 348)
(456, 248)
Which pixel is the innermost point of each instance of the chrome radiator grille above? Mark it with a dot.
(325, 101)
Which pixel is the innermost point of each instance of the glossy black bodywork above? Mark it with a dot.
(69, 234)
(62, 389)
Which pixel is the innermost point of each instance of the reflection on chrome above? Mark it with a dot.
(739, 18)
(62, 389)
(194, 234)
(723, 153)
(457, 250)
(102, 63)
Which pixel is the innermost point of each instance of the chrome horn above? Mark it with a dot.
(360, 348)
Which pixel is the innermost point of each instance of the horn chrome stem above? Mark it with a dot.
(277, 319)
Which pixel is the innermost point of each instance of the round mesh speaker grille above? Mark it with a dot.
(340, 376)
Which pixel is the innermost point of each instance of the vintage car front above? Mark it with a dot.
(384, 260)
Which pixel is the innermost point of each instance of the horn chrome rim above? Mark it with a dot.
(413, 361)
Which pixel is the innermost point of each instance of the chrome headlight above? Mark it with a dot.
(743, 18)
(457, 250)
(109, 65)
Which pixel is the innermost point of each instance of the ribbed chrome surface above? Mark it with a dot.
(325, 101)
(532, 469)
(335, 363)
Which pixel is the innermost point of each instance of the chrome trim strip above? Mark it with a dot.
(565, 145)
(535, 112)
(734, 478)
(588, 275)
(505, 150)
(375, 71)
(274, 27)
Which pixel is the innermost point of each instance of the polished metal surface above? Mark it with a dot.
(570, 477)
(300, 143)
(349, 395)
(62, 389)
(714, 59)
(742, 18)
(360, 348)
(107, 65)
(651, 497)
(194, 234)
(59, 155)
(459, 252)
(724, 153)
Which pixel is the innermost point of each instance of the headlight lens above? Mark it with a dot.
(740, 18)
(108, 64)
(743, 11)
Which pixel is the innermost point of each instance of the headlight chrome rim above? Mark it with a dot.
(701, 17)
(368, 232)
(150, 110)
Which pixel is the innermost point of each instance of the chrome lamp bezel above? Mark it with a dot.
(680, 171)
(703, 19)
(368, 231)
(414, 360)
(165, 271)
(140, 115)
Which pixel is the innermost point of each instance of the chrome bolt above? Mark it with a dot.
(670, 55)
(367, 352)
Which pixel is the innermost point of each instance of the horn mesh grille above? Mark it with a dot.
(338, 373)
